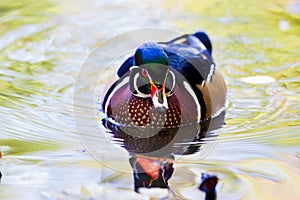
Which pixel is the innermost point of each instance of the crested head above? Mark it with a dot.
(150, 53)
(151, 76)
(154, 59)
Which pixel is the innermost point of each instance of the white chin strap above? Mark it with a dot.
(158, 105)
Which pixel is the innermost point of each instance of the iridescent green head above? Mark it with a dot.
(151, 77)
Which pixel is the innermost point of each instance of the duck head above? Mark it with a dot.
(151, 76)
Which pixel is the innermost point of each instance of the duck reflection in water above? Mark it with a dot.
(168, 98)
(151, 171)
(152, 159)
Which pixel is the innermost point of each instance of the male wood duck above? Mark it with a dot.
(167, 85)
(168, 96)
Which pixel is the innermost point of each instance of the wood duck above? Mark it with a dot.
(168, 96)
(167, 85)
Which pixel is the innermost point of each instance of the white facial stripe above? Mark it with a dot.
(118, 86)
(139, 94)
(173, 86)
(134, 82)
(134, 67)
(165, 103)
(173, 75)
(160, 105)
(192, 93)
(155, 97)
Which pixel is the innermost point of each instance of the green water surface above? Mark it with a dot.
(43, 45)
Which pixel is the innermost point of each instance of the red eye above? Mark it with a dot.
(144, 73)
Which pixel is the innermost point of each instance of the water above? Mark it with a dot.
(43, 46)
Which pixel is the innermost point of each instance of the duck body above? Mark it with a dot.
(167, 84)
(163, 89)
(168, 97)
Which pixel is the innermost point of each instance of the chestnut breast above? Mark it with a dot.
(127, 109)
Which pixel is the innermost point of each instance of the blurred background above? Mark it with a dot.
(44, 43)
